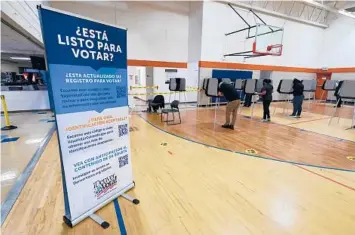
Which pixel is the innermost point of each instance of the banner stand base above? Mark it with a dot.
(129, 198)
(104, 224)
(94, 217)
(100, 221)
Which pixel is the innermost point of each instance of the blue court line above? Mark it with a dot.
(7, 140)
(246, 154)
(16, 189)
(119, 217)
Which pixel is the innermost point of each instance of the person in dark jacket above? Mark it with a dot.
(266, 95)
(230, 93)
(298, 98)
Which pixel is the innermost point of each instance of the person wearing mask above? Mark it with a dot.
(232, 96)
(266, 95)
(298, 98)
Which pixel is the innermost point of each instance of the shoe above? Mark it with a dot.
(297, 116)
(225, 126)
(292, 115)
(231, 127)
(268, 120)
(263, 120)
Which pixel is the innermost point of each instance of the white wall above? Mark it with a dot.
(338, 46)
(195, 31)
(153, 34)
(301, 42)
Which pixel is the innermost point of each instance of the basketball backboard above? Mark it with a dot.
(268, 40)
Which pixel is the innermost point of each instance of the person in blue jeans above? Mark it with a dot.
(298, 98)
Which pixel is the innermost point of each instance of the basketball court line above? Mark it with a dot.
(308, 121)
(119, 216)
(287, 125)
(327, 178)
(16, 189)
(297, 164)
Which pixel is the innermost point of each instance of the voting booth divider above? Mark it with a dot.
(345, 91)
(87, 63)
(177, 85)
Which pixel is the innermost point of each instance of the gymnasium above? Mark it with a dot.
(178, 117)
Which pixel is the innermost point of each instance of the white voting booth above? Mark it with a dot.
(346, 91)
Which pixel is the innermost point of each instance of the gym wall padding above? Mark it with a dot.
(232, 74)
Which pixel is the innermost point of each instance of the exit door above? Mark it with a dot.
(320, 93)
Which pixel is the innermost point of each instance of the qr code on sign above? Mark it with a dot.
(122, 130)
(121, 91)
(123, 160)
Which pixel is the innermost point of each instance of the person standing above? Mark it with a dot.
(230, 93)
(266, 95)
(298, 98)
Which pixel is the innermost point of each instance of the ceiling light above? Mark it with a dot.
(20, 58)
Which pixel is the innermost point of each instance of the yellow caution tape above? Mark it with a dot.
(140, 87)
(163, 93)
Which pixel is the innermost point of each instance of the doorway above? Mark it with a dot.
(320, 93)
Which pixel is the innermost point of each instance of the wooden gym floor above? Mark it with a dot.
(193, 178)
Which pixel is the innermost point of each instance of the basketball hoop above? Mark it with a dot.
(267, 39)
(274, 50)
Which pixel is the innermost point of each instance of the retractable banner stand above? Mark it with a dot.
(87, 62)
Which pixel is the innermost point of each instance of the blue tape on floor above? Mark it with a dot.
(7, 140)
(43, 120)
(41, 112)
(119, 217)
(15, 191)
(51, 121)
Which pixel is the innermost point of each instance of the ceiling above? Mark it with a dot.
(179, 7)
(13, 42)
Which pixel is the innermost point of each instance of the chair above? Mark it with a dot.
(156, 103)
(174, 108)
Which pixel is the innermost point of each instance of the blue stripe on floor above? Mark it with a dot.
(7, 140)
(41, 112)
(46, 120)
(15, 191)
(119, 218)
